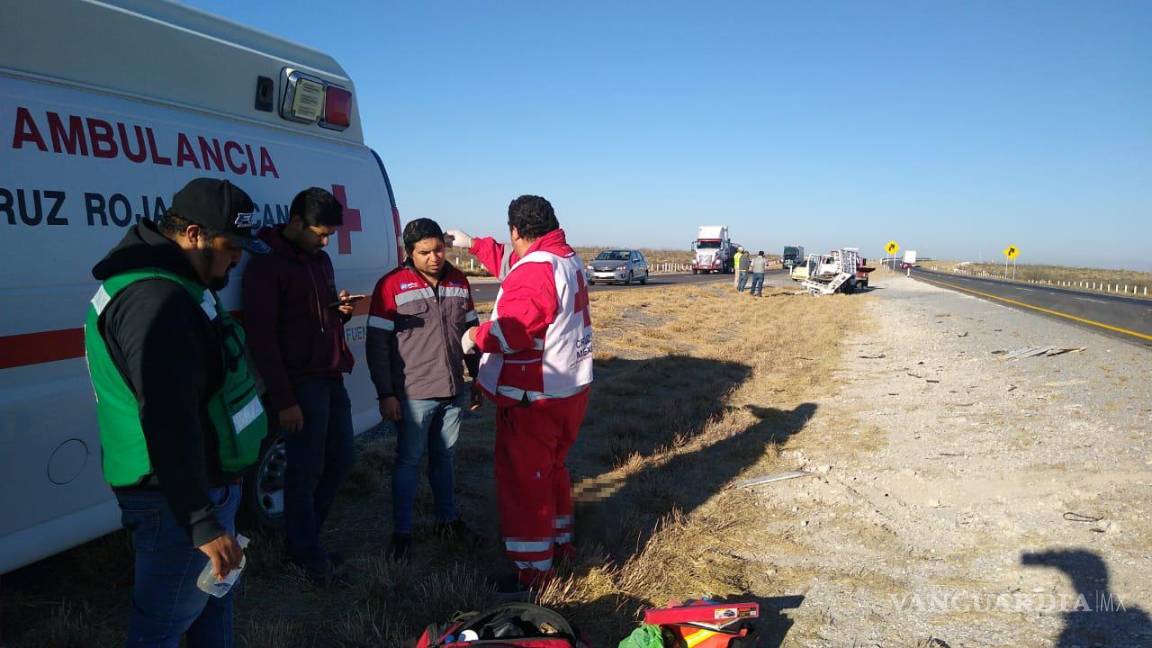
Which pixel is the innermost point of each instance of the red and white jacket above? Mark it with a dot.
(538, 343)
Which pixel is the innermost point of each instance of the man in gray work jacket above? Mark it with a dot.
(418, 315)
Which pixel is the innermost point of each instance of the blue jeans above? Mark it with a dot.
(166, 604)
(430, 426)
(319, 458)
(743, 281)
(757, 284)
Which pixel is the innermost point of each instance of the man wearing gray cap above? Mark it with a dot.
(179, 414)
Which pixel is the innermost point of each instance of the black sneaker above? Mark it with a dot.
(401, 543)
(458, 531)
(510, 589)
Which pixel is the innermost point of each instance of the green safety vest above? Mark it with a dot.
(235, 410)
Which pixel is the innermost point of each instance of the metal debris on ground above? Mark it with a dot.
(873, 357)
(1080, 517)
(755, 481)
(1035, 351)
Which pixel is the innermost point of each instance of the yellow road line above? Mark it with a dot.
(1117, 329)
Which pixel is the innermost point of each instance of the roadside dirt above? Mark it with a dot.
(965, 499)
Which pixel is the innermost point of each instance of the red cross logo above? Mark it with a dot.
(351, 220)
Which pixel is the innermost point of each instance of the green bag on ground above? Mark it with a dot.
(646, 636)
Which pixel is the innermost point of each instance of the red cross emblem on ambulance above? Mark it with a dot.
(351, 221)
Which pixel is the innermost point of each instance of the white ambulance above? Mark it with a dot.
(106, 108)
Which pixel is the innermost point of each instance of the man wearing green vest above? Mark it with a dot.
(179, 412)
(740, 259)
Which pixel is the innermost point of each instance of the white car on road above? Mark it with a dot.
(618, 266)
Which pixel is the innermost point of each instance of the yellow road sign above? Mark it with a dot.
(892, 248)
(1011, 251)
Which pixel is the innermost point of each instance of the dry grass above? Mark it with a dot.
(696, 387)
(1049, 274)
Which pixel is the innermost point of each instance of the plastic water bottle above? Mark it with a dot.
(208, 582)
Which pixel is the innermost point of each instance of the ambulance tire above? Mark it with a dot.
(263, 504)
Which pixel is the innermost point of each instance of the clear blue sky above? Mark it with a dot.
(954, 127)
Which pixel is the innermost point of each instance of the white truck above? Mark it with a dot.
(106, 108)
(840, 270)
(712, 251)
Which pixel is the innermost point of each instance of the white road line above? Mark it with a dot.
(1088, 299)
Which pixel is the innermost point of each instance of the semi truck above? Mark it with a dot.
(712, 251)
(793, 256)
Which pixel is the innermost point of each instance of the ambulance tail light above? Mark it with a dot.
(312, 100)
(337, 108)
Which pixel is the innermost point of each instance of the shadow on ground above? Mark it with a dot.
(1093, 614)
(622, 515)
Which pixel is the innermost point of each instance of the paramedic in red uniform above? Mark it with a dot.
(537, 368)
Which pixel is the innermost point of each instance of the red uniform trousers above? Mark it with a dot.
(533, 488)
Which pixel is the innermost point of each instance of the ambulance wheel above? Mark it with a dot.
(263, 505)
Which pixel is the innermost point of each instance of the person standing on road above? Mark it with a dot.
(178, 409)
(743, 262)
(537, 367)
(756, 267)
(419, 315)
(295, 322)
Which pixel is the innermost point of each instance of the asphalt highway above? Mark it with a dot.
(1127, 318)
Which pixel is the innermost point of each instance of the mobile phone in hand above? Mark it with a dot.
(351, 299)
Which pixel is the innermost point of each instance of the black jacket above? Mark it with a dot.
(170, 354)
